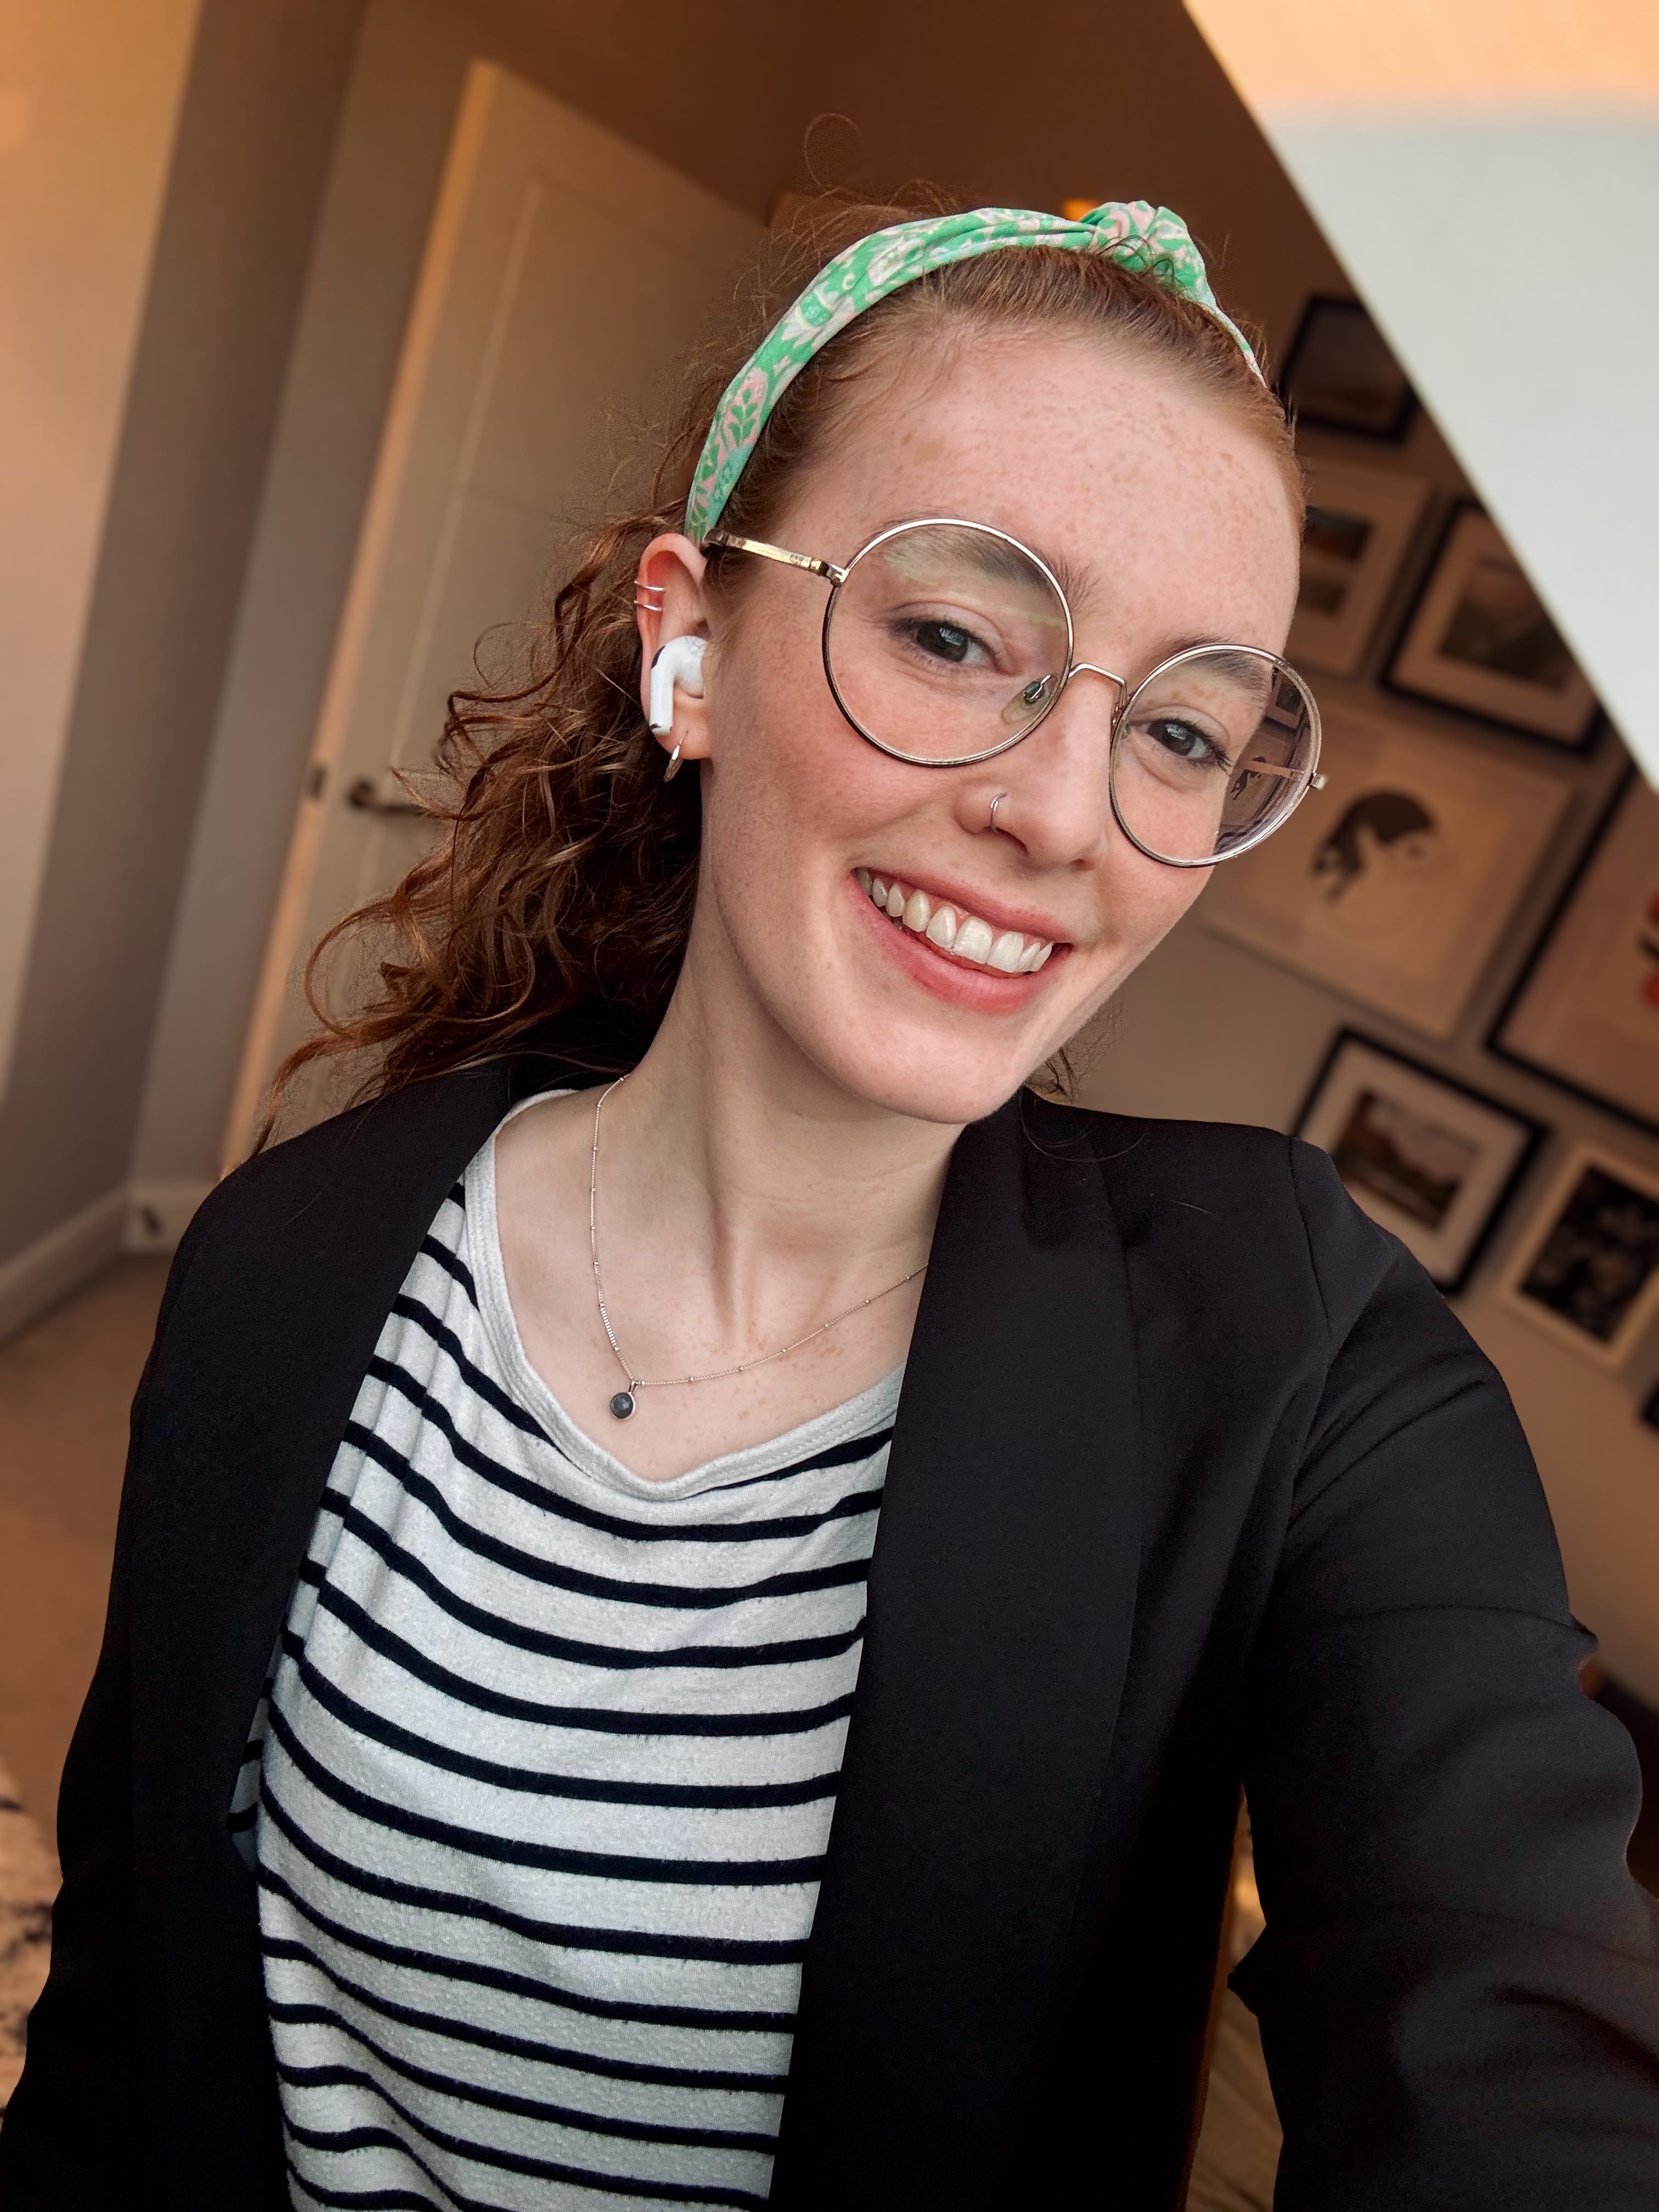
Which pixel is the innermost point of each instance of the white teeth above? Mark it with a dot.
(963, 935)
(974, 939)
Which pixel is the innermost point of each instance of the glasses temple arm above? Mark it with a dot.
(722, 541)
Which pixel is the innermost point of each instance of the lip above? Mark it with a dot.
(986, 904)
(958, 983)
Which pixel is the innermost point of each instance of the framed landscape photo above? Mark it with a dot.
(1340, 375)
(1395, 883)
(1429, 1158)
(1588, 1272)
(1360, 524)
(1586, 1009)
(1479, 640)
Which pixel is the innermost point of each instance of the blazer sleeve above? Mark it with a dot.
(1458, 1988)
(70, 2141)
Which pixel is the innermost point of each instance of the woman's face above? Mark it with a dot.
(1175, 521)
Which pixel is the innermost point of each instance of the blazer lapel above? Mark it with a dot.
(272, 1331)
(1001, 1598)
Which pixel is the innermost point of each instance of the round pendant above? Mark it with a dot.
(623, 1404)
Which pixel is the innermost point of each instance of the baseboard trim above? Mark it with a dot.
(47, 1270)
(158, 1214)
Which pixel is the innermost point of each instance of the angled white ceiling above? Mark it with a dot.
(1488, 173)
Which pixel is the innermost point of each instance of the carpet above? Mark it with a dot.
(29, 1882)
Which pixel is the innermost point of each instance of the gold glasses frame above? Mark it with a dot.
(835, 574)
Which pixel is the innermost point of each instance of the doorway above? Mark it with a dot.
(565, 273)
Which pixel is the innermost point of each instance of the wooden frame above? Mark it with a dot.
(1593, 969)
(1360, 528)
(1477, 598)
(1395, 883)
(1428, 1156)
(1340, 374)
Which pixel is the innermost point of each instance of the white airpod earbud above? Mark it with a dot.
(678, 662)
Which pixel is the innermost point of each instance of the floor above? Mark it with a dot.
(66, 1388)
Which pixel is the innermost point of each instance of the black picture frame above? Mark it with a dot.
(1449, 1279)
(1585, 1271)
(1594, 846)
(1332, 328)
(1405, 642)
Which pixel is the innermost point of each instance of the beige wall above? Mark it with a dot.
(393, 134)
(89, 100)
(253, 138)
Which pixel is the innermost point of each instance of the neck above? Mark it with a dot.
(749, 1162)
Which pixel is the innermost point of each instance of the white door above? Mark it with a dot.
(565, 273)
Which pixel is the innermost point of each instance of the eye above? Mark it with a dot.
(1186, 740)
(945, 641)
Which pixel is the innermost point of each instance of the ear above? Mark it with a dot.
(668, 604)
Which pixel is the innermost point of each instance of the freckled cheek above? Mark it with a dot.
(1139, 904)
(790, 772)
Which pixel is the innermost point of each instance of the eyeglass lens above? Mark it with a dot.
(947, 640)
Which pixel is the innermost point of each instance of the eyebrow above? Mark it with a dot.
(995, 557)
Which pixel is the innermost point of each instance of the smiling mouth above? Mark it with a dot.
(951, 930)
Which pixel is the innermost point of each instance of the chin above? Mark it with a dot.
(924, 1077)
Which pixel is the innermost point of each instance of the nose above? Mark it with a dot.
(1056, 801)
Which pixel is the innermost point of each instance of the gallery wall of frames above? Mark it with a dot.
(1444, 970)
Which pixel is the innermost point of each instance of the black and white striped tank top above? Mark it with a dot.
(538, 1794)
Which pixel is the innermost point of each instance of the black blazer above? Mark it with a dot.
(1195, 1478)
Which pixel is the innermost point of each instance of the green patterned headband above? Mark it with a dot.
(1139, 236)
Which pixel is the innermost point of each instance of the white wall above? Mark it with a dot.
(1488, 173)
(90, 92)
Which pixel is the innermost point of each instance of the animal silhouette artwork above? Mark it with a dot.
(1375, 862)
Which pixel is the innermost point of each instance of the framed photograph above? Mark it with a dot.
(1478, 639)
(1360, 524)
(1340, 374)
(1429, 1158)
(1589, 1272)
(1586, 1009)
(1395, 883)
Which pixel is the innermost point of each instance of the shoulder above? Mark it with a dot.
(1247, 1207)
(335, 1199)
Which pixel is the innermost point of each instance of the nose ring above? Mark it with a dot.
(996, 803)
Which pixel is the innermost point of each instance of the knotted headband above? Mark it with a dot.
(1148, 240)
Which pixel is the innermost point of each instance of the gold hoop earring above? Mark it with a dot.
(674, 766)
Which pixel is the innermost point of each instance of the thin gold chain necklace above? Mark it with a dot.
(623, 1404)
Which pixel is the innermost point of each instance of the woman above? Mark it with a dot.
(551, 1427)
